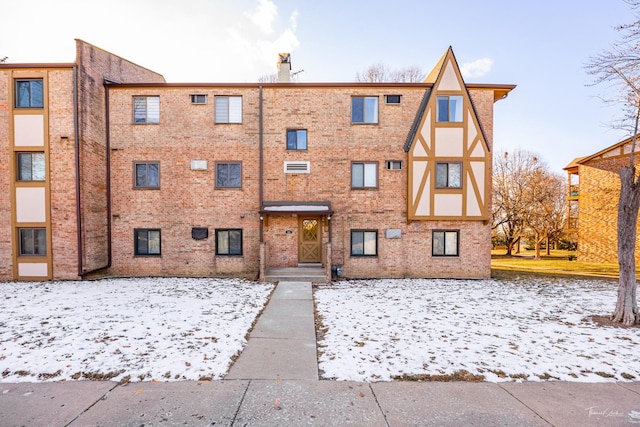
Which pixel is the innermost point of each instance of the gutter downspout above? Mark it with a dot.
(82, 272)
(76, 147)
(260, 174)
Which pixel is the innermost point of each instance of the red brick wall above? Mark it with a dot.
(94, 65)
(186, 198)
(598, 211)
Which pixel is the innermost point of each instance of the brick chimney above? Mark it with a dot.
(284, 67)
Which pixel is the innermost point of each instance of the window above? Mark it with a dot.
(228, 109)
(394, 165)
(31, 167)
(296, 139)
(364, 175)
(392, 99)
(198, 99)
(146, 109)
(147, 175)
(229, 241)
(364, 109)
(147, 241)
(29, 93)
(33, 241)
(448, 175)
(449, 108)
(364, 242)
(229, 175)
(445, 242)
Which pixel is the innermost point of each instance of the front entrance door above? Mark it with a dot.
(310, 242)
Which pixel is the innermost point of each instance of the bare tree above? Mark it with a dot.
(619, 67)
(268, 78)
(512, 178)
(545, 208)
(380, 73)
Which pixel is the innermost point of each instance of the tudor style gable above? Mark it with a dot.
(448, 155)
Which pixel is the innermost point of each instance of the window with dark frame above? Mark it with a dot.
(147, 241)
(29, 93)
(394, 165)
(228, 109)
(228, 175)
(448, 175)
(198, 99)
(449, 109)
(364, 109)
(146, 109)
(32, 241)
(147, 175)
(229, 241)
(364, 242)
(392, 99)
(296, 139)
(31, 167)
(364, 175)
(445, 243)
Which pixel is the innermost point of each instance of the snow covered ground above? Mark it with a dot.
(188, 329)
(523, 329)
(143, 329)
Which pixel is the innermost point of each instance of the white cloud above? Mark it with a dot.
(263, 15)
(477, 68)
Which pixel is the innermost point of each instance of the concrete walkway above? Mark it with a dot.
(282, 345)
(275, 383)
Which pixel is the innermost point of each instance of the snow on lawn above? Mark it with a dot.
(144, 328)
(531, 329)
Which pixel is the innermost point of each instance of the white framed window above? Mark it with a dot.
(228, 109)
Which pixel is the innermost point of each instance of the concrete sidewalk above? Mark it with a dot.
(324, 403)
(282, 344)
(275, 382)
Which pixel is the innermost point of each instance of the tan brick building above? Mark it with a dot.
(109, 170)
(594, 191)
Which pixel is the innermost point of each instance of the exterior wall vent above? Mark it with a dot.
(198, 165)
(297, 167)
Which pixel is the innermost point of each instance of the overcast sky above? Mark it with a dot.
(541, 46)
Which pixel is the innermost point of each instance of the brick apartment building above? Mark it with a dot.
(594, 191)
(107, 170)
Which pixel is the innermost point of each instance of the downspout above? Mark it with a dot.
(76, 144)
(82, 272)
(260, 173)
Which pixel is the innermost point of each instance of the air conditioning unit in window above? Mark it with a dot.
(297, 167)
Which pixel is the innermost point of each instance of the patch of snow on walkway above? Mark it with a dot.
(144, 328)
(504, 330)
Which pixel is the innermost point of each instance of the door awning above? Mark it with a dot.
(301, 208)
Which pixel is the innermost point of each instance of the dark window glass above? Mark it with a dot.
(147, 175)
(31, 167)
(445, 243)
(228, 175)
(449, 108)
(364, 109)
(147, 242)
(448, 175)
(296, 139)
(29, 93)
(33, 241)
(229, 242)
(364, 242)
